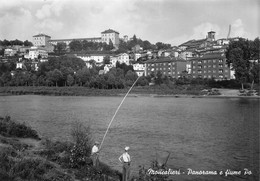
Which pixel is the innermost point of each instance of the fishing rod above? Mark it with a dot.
(116, 112)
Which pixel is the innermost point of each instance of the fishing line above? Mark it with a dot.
(117, 111)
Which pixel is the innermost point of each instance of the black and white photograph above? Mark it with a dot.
(129, 90)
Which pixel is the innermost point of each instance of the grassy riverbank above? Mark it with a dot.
(26, 156)
(83, 91)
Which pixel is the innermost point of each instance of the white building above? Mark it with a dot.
(34, 53)
(139, 68)
(112, 35)
(137, 55)
(121, 58)
(9, 52)
(97, 58)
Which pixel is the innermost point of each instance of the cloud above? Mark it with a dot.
(200, 31)
(238, 29)
(48, 10)
(16, 25)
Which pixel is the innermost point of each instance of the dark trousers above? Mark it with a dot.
(126, 171)
(95, 159)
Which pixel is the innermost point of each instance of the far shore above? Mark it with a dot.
(135, 92)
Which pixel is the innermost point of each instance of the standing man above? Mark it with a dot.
(94, 154)
(125, 159)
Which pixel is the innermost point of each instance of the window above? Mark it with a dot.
(220, 65)
(220, 71)
(205, 66)
(220, 61)
(214, 71)
(205, 61)
(214, 61)
(214, 66)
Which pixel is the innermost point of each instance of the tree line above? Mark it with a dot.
(79, 46)
(67, 71)
(6, 43)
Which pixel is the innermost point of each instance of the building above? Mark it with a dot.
(41, 40)
(106, 36)
(121, 58)
(168, 66)
(88, 58)
(9, 52)
(212, 65)
(37, 52)
(112, 35)
(67, 41)
(139, 68)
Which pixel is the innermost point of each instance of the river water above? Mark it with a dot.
(202, 134)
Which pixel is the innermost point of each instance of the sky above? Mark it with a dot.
(167, 21)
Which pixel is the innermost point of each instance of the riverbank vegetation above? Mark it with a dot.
(24, 156)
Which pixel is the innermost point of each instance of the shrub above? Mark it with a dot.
(82, 138)
(11, 128)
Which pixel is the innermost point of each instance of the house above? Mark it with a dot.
(88, 58)
(168, 66)
(9, 52)
(212, 65)
(37, 52)
(121, 58)
(139, 68)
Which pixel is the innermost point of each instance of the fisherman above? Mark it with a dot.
(125, 159)
(94, 154)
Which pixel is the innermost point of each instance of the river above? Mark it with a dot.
(202, 134)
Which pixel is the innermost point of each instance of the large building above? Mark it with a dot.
(168, 66)
(67, 41)
(42, 40)
(106, 36)
(110, 35)
(211, 65)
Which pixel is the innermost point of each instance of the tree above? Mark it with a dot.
(239, 54)
(54, 76)
(60, 47)
(70, 80)
(106, 60)
(75, 45)
(27, 43)
(130, 77)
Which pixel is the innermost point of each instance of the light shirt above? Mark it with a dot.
(125, 156)
(94, 149)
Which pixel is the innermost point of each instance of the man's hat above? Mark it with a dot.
(127, 148)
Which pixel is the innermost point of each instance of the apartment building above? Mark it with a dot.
(212, 65)
(168, 66)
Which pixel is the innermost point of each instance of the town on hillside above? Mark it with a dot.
(203, 58)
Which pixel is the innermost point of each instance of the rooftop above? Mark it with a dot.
(166, 59)
(210, 56)
(41, 34)
(109, 31)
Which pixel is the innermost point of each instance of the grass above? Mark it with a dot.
(10, 128)
(163, 89)
(48, 160)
